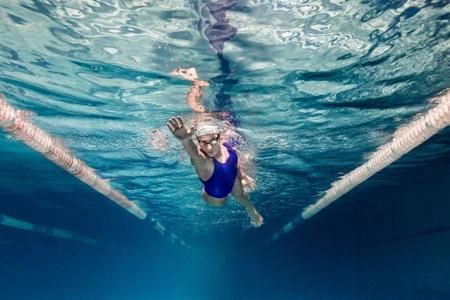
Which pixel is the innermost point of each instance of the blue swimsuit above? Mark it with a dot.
(220, 184)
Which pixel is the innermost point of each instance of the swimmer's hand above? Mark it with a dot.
(179, 129)
(247, 180)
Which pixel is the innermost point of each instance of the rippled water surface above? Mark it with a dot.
(314, 87)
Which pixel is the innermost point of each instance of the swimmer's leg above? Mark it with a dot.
(194, 96)
(196, 92)
(241, 196)
(213, 201)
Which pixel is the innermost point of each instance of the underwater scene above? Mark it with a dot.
(224, 149)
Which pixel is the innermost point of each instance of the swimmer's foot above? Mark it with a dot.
(189, 74)
(257, 220)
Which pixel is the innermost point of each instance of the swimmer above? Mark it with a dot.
(216, 164)
(196, 91)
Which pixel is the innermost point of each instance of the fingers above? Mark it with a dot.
(176, 122)
(170, 127)
(252, 184)
(180, 121)
(173, 124)
(249, 182)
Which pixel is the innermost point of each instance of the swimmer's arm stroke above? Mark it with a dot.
(245, 179)
(184, 135)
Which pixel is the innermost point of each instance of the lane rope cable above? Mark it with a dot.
(14, 122)
(405, 139)
(56, 232)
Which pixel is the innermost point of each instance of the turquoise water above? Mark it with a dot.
(312, 89)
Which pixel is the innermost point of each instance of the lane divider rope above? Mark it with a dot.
(405, 139)
(56, 232)
(14, 122)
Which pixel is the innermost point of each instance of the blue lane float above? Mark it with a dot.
(14, 122)
(405, 139)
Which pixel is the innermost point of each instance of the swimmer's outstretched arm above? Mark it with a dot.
(184, 135)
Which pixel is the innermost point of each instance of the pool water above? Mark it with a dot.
(307, 91)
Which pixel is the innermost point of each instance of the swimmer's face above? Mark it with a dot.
(209, 144)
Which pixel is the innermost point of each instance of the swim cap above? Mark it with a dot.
(206, 128)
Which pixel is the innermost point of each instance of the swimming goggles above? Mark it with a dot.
(211, 142)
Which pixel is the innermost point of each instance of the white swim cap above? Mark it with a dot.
(206, 128)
